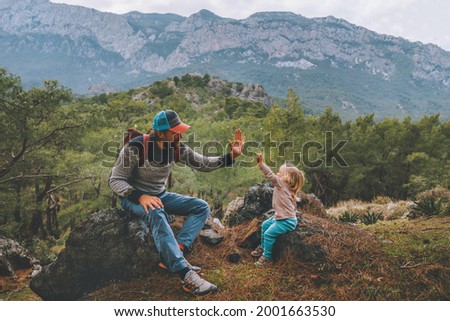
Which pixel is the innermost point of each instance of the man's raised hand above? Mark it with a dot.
(237, 146)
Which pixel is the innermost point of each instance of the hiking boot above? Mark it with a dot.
(194, 284)
(191, 267)
(262, 261)
(258, 251)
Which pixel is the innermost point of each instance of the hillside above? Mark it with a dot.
(327, 61)
(396, 260)
(54, 175)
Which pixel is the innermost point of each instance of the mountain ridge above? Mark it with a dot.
(328, 61)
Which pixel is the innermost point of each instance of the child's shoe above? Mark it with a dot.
(258, 251)
(262, 261)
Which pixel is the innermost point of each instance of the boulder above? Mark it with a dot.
(211, 237)
(234, 257)
(15, 257)
(213, 223)
(257, 200)
(232, 210)
(294, 241)
(311, 204)
(110, 245)
(298, 248)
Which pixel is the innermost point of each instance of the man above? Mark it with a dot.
(140, 183)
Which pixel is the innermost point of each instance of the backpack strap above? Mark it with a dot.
(145, 140)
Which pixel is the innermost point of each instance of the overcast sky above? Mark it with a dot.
(427, 21)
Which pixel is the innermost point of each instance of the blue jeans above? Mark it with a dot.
(196, 211)
(273, 228)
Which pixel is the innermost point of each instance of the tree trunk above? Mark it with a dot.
(52, 210)
(37, 225)
(16, 213)
(37, 222)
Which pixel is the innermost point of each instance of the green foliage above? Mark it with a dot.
(161, 89)
(431, 207)
(347, 217)
(195, 81)
(371, 218)
(68, 139)
(42, 250)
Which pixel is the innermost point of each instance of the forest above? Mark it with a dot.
(57, 150)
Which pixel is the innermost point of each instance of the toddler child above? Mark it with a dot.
(287, 182)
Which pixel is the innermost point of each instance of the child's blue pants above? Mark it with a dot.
(271, 229)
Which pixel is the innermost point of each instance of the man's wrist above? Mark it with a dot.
(228, 160)
(135, 195)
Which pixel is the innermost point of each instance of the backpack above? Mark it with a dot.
(132, 133)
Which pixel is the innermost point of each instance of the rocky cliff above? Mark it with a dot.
(328, 60)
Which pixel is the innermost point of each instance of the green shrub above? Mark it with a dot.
(347, 217)
(371, 218)
(431, 207)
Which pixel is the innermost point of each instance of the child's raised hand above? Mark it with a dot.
(259, 158)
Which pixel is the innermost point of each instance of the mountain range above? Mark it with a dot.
(328, 61)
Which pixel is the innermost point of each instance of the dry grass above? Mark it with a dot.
(389, 209)
(381, 262)
(16, 288)
(357, 267)
(436, 193)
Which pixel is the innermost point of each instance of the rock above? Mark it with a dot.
(213, 223)
(257, 200)
(233, 257)
(257, 207)
(102, 88)
(256, 93)
(411, 215)
(309, 203)
(232, 210)
(217, 223)
(294, 241)
(211, 237)
(15, 257)
(110, 245)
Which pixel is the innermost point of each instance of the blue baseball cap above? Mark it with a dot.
(168, 119)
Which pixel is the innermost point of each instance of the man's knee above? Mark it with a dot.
(133, 208)
(201, 207)
(155, 215)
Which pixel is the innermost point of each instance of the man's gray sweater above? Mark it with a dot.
(132, 178)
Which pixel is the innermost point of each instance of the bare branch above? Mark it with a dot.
(4, 169)
(27, 148)
(22, 176)
(45, 139)
(67, 184)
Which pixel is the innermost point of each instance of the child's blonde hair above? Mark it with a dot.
(295, 179)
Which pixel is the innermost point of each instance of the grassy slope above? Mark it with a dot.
(391, 260)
